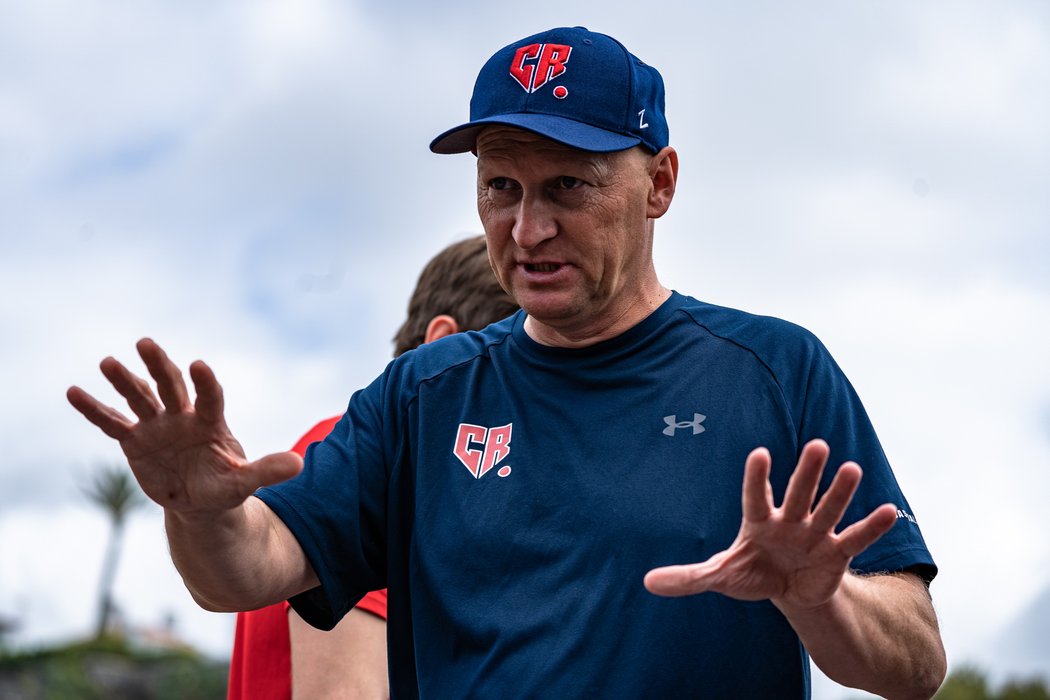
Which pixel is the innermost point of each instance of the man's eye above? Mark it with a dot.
(567, 182)
(499, 183)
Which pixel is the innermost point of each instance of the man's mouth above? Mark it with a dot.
(542, 267)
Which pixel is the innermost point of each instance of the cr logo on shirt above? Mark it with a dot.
(480, 449)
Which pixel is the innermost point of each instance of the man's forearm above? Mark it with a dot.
(877, 633)
(240, 559)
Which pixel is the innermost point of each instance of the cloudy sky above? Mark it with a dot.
(249, 182)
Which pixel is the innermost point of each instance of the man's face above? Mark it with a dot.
(568, 233)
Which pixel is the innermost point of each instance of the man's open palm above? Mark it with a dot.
(182, 453)
(791, 554)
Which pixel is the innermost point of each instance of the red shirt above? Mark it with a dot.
(261, 664)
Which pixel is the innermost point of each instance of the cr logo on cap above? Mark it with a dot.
(550, 64)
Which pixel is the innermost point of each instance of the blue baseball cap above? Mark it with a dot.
(571, 85)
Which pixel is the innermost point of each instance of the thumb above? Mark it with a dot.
(275, 468)
(679, 580)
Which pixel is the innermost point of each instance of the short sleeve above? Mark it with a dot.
(336, 509)
(828, 407)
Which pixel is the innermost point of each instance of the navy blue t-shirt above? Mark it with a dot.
(512, 496)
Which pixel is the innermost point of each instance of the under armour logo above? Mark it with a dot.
(674, 424)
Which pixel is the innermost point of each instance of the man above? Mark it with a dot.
(275, 654)
(512, 488)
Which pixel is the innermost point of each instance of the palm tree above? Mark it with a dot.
(113, 490)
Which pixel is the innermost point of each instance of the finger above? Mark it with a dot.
(837, 498)
(682, 579)
(209, 404)
(757, 498)
(170, 385)
(275, 468)
(861, 535)
(111, 421)
(802, 486)
(133, 388)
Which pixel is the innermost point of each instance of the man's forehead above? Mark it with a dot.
(502, 136)
(506, 141)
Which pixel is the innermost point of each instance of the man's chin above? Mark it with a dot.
(548, 308)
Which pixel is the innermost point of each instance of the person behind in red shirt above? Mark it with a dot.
(278, 656)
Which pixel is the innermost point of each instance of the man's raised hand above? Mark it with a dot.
(791, 554)
(182, 453)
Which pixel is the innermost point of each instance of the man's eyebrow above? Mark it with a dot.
(596, 162)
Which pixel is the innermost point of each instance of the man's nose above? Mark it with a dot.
(534, 223)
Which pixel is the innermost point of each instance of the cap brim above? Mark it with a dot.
(461, 139)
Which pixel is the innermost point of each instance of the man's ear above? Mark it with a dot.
(663, 170)
(440, 326)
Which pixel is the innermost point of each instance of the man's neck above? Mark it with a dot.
(571, 336)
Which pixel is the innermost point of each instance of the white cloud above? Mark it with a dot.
(970, 74)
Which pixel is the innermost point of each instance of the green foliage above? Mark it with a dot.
(183, 680)
(1024, 690)
(969, 683)
(64, 678)
(108, 669)
(966, 683)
